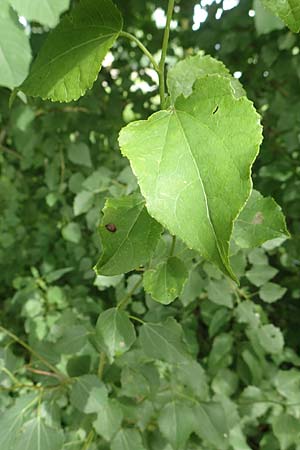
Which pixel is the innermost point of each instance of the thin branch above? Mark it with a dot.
(33, 352)
(164, 54)
(123, 303)
(132, 38)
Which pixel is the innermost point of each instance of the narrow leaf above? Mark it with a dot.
(69, 62)
(128, 234)
(193, 165)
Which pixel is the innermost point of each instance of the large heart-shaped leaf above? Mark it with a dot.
(193, 164)
(286, 10)
(69, 62)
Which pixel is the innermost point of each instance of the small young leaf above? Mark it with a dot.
(165, 282)
(193, 166)
(69, 62)
(260, 220)
(115, 333)
(128, 235)
(286, 10)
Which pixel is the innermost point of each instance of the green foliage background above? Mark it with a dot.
(219, 368)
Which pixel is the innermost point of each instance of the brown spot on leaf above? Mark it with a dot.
(258, 218)
(111, 227)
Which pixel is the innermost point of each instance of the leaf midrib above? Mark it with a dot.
(76, 47)
(201, 182)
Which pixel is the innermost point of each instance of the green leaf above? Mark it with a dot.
(246, 313)
(287, 430)
(164, 342)
(221, 353)
(88, 394)
(287, 10)
(133, 238)
(108, 420)
(206, 144)
(11, 422)
(46, 12)
(83, 202)
(80, 154)
(265, 21)
(183, 75)
(36, 435)
(211, 424)
(127, 439)
(115, 333)
(270, 338)
(165, 282)
(176, 423)
(287, 383)
(220, 292)
(69, 61)
(15, 53)
(271, 292)
(72, 232)
(260, 220)
(260, 274)
(72, 341)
